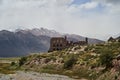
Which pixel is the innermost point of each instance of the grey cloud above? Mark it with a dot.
(109, 1)
(1, 2)
(56, 14)
(111, 6)
(113, 1)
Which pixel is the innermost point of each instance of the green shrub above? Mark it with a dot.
(71, 59)
(106, 58)
(119, 40)
(12, 63)
(86, 49)
(22, 61)
(100, 45)
(51, 67)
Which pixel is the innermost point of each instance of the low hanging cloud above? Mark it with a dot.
(112, 5)
(89, 5)
(109, 1)
(88, 19)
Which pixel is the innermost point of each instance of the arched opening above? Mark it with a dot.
(58, 49)
(57, 45)
(54, 49)
(60, 45)
(53, 45)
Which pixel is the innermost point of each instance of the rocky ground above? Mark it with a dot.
(20, 75)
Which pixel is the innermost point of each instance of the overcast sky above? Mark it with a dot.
(92, 18)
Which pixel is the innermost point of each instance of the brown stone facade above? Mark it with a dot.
(60, 43)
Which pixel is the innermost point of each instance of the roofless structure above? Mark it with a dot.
(60, 43)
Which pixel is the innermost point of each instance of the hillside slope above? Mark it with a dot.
(92, 62)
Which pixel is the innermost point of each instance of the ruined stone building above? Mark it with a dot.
(111, 39)
(57, 43)
(60, 43)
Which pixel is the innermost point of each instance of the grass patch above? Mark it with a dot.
(5, 68)
(11, 59)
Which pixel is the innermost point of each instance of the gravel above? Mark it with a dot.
(20, 75)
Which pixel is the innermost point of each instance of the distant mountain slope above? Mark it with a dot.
(23, 42)
(53, 33)
(74, 37)
(41, 31)
(116, 36)
(19, 44)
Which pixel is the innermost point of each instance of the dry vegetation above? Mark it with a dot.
(92, 62)
(6, 65)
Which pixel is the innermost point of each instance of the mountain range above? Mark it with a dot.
(22, 42)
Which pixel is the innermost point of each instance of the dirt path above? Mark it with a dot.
(32, 76)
